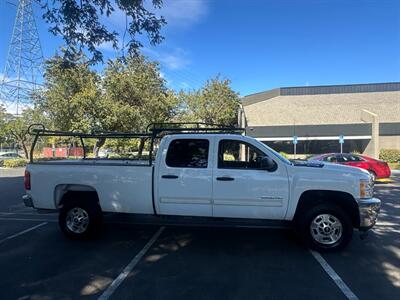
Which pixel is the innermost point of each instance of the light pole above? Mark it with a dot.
(341, 142)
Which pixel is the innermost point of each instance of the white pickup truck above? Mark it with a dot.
(209, 178)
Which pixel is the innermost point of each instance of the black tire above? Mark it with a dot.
(303, 224)
(90, 208)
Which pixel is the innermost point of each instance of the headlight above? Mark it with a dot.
(366, 188)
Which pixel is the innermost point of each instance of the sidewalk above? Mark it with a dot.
(11, 172)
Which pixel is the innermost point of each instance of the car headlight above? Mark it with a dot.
(366, 188)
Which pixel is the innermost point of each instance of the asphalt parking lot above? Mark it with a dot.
(148, 262)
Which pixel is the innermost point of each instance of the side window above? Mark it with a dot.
(188, 153)
(331, 158)
(234, 154)
(354, 158)
(342, 158)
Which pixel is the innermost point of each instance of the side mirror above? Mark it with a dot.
(268, 164)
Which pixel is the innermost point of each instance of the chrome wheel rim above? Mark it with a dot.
(77, 220)
(326, 229)
(373, 176)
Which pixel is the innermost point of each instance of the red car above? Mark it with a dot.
(377, 168)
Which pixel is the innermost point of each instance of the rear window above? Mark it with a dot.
(188, 153)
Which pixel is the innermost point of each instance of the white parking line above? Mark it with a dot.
(19, 213)
(121, 277)
(335, 277)
(28, 219)
(22, 232)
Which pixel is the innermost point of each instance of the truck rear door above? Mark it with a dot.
(183, 178)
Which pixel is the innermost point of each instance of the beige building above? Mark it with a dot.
(366, 115)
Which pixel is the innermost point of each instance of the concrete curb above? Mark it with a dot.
(396, 172)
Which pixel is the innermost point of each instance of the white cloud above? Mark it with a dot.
(2, 77)
(175, 60)
(178, 13)
(183, 13)
(11, 107)
(166, 78)
(107, 46)
(184, 85)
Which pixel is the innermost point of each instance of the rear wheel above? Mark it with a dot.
(80, 219)
(325, 227)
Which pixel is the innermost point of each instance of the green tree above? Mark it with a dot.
(129, 96)
(16, 128)
(74, 100)
(79, 23)
(69, 89)
(137, 83)
(215, 102)
(3, 119)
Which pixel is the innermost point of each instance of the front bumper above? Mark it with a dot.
(27, 200)
(368, 210)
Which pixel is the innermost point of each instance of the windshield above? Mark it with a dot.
(280, 157)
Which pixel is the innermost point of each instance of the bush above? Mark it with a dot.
(390, 155)
(394, 166)
(14, 163)
(284, 154)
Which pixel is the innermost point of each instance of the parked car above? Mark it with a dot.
(104, 153)
(216, 178)
(8, 155)
(377, 168)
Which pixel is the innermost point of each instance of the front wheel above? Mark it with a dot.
(325, 227)
(373, 175)
(80, 219)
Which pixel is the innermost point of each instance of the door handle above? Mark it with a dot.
(169, 176)
(225, 178)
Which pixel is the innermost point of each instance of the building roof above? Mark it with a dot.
(316, 105)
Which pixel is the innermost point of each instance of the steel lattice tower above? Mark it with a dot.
(23, 68)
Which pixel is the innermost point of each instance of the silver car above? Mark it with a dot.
(8, 155)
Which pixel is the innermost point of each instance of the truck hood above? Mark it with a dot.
(314, 175)
(332, 168)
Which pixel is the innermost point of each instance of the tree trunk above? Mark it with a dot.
(100, 142)
(141, 146)
(26, 152)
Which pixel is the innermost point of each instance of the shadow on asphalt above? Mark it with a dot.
(371, 267)
(199, 263)
(221, 263)
(11, 192)
(47, 265)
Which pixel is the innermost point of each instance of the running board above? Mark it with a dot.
(194, 221)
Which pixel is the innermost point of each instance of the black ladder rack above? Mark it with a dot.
(153, 131)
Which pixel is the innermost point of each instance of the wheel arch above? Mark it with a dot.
(342, 199)
(65, 192)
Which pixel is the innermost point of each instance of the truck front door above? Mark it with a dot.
(184, 177)
(241, 188)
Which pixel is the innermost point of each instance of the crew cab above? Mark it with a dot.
(208, 177)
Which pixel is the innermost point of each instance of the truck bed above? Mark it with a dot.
(122, 185)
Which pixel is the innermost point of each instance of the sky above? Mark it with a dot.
(260, 45)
